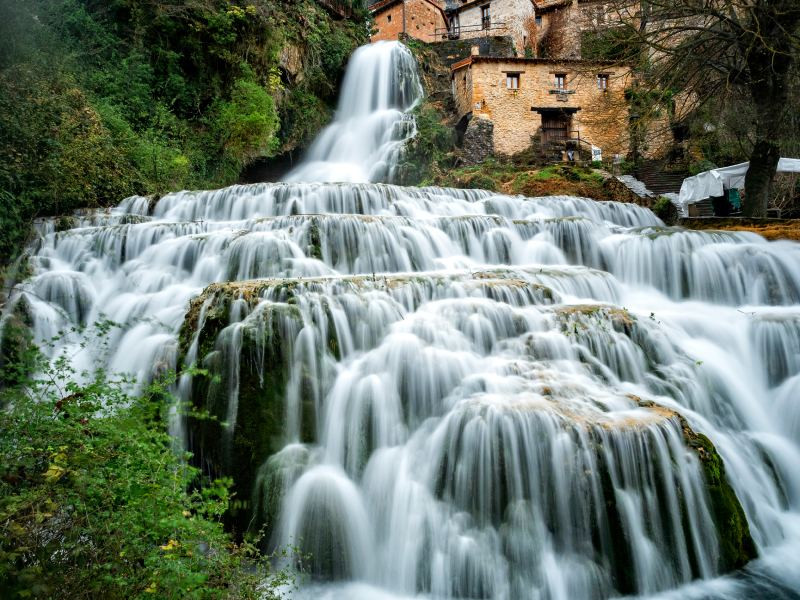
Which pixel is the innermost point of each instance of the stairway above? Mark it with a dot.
(659, 180)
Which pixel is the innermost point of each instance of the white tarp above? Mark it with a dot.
(714, 182)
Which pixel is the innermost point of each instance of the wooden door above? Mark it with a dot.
(555, 126)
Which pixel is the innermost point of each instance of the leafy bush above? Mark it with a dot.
(246, 125)
(433, 141)
(303, 114)
(664, 209)
(99, 100)
(701, 165)
(95, 503)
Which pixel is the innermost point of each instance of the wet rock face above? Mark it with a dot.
(478, 142)
(525, 457)
(242, 395)
(737, 547)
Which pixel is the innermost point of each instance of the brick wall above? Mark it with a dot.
(601, 116)
(388, 22)
(422, 18)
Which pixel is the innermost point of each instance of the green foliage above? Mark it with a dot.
(95, 503)
(430, 147)
(664, 209)
(55, 152)
(701, 165)
(626, 167)
(246, 125)
(100, 100)
(509, 177)
(303, 115)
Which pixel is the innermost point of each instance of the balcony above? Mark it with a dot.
(482, 28)
(562, 94)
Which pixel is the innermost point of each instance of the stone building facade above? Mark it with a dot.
(469, 19)
(421, 19)
(546, 101)
(562, 24)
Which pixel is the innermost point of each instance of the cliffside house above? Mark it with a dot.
(555, 26)
(420, 19)
(558, 97)
(440, 20)
(555, 104)
(469, 19)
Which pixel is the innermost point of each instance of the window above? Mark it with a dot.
(486, 18)
(602, 81)
(512, 81)
(561, 81)
(538, 20)
(454, 25)
(389, 18)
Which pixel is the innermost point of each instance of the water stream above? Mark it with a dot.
(447, 393)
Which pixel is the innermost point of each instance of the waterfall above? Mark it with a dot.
(372, 121)
(449, 393)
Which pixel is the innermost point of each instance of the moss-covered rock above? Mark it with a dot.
(242, 398)
(19, 355)
(736, 545)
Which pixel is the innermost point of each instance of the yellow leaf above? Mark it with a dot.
(54, 473)
(150, 589)
(170, 545)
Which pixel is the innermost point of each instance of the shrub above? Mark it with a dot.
(246, 125)
(95, 503)
(664, 209)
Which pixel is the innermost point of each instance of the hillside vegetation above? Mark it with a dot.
(103, 99)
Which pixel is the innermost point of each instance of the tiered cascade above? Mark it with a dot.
(456, 393)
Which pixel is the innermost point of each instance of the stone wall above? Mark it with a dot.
(512, 13)
(452, 51)
(600, 116)
(462, 91)
(563, 23)
(421, 19)
(478, 142)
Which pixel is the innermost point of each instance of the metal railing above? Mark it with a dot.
(455, 33)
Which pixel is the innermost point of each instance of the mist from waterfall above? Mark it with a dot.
(479, 395)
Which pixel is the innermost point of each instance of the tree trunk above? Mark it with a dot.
(759, 178)
(769, 52)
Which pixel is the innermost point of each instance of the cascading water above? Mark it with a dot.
(454, 393)
(372, 122)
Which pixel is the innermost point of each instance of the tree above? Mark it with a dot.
(711, 49)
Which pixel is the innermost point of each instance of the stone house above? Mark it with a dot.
(469, 19)
(562, 26)
(554, 26)
(421, 19)
(553, 103)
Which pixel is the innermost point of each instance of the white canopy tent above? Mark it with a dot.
(714, 182)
